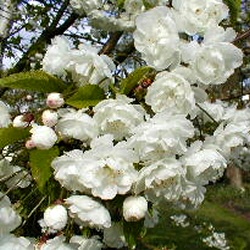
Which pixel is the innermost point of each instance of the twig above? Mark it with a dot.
(202, 109)
(242, 36)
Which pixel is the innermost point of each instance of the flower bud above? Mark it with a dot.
(49, 118)
(29, 144)
(43, 136)
(134, 208)
(55, 217)
(54, 100)
(20, 122)
(29, 98)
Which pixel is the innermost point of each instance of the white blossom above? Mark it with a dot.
(5, 115)
(77, 125)
(110, 170)
(216, 240)
(88, 212)
(54, 100)
(105, 170)
(171, 92)
(9, 241)
(49, 118)
(161, 178)
(193, 192)
(117, 116)
(92, 243)
(19, 177)
(215, 110)
(114, 236)
(56, 243)
(212, 63)
(29, 144)
(9, 219)
(180, 220)
(19, 122)
(55, 217)
(87, 67)
(230, 136)
(57, 57)
(162, 135)
(85, 6)
(69, 168)
(43, 137)
(134, 208)
(216, 33)
(205, 164)
(151, 218)
(195, 16)
(156, 38)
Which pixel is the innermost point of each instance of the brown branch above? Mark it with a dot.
(228, 98)
(111, 43)
(123, 55)
(59, 14)
(242, 36)
(42, 41)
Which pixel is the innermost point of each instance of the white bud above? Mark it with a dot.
(134, 208)
(29, 98)
(29, 144)
(19, 122)
(55, 217)
(54, 100)
(49, 118)
(44, 137)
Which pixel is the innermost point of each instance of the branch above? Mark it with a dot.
(202, 109)
(242, 36)
(42, 41)
(123, 55)
(70, 21)
(111, 43)
(59, 14)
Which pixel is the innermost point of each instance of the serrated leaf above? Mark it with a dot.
(11, 135)
(88, 95)
(38, 81)
(40, 161)
(134, 78)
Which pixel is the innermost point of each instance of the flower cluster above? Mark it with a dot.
(84, 64)
(123, 155)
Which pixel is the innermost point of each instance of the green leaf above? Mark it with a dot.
(120, 3)
(40, 161)
(88, 95)
(34, 80)
(132, 231)
(148, 5)
(234, 9)
(134, 78)
(11, 135)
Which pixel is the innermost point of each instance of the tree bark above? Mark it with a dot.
(235, 176)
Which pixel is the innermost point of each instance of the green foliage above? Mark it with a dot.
(148, 4)
(33, 81)
(88, 95)
(227, 210)
(120, 3)
(40, 161)
(128, 84)
(132, 231)
(12, 135)
(234, 9)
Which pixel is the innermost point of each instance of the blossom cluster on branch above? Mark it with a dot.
(125, 154)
